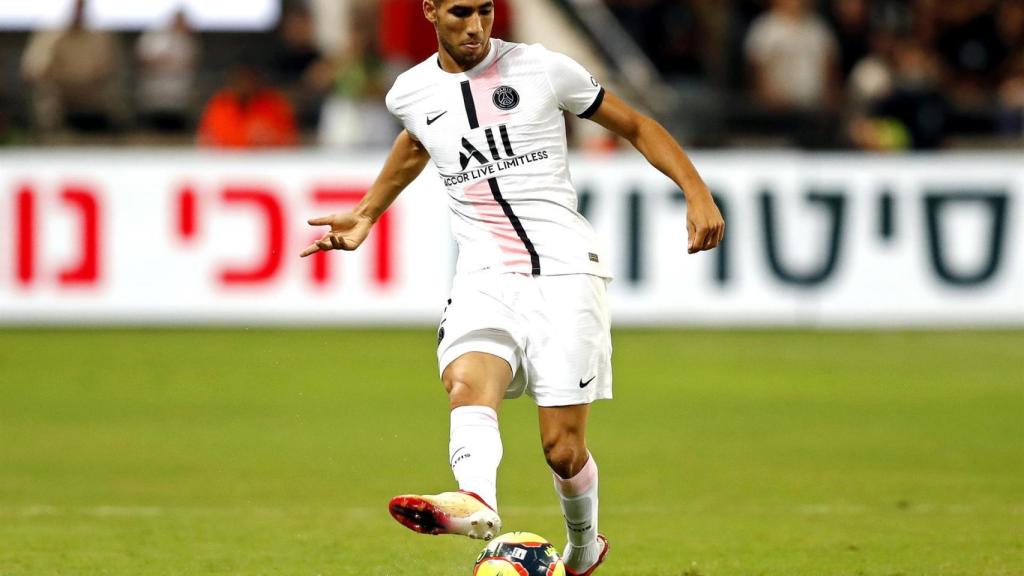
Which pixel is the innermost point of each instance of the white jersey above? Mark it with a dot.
(497, 136)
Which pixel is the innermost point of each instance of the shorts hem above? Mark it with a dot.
(563, 400)
(457, 350)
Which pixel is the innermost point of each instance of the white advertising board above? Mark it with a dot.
(140, 15)
(194, 237)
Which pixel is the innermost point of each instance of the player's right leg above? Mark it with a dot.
(476, 383)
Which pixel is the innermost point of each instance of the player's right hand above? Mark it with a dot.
(348, 230)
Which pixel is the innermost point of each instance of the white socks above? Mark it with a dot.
(474, 451)
(579, 505)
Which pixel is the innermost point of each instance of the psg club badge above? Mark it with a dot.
(506, 98)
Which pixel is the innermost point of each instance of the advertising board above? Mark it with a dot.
(188, 237)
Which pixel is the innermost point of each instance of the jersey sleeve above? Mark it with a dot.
(575, 88)
(394, 102)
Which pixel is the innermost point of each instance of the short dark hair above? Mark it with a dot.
(439, 3)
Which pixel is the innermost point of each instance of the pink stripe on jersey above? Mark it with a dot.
(493, 218)
(483, 87)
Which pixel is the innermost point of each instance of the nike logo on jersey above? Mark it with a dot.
(587, 383)
(435, 118)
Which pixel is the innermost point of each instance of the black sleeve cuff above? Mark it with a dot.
(593, 107)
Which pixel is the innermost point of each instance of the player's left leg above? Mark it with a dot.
(563, 437)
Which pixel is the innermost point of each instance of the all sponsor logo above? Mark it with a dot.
(470, 152)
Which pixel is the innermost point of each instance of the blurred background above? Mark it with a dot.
(889, 75)
(837, 389)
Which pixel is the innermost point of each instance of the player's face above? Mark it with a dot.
(463, 27)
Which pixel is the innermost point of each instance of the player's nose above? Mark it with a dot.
(474, 27)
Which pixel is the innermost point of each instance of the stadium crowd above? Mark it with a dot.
(819, 74)
(873, 74)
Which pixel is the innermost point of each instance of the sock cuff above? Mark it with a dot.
(474, 416)
(584, 480)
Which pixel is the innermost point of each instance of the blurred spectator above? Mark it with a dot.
(296, 50)
(871, 78)
(906, 17)
(1010, 27)
(1011, 99)
(851, 21)
(295, 56)
(740, 15)
(354, 115)
(914, 114)
(74, 74)
(167, 69)
(969, 44)
(248, 113)
(792, 57)
(910, 72)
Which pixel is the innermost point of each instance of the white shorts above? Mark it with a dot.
(554, 332)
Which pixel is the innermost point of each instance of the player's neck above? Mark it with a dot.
(449, 64)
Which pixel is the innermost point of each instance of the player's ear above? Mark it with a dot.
(430, 11)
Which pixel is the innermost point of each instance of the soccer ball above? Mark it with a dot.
(519, 554)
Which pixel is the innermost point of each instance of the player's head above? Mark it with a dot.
(463, 27)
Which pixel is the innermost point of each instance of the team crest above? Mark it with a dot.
(506, 98)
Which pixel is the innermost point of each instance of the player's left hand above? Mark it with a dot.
(704, 223)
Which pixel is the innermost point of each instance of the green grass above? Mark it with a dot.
(724, 453)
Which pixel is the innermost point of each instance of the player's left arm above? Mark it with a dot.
(703, 220)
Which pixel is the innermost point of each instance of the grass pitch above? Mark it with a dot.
(724, 453)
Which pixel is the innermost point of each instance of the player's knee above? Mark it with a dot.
(460, 391)
(566, 454)
(459, 394)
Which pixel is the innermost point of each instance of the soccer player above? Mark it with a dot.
(528, 311)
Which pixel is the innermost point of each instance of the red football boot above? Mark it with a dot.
(460, 512)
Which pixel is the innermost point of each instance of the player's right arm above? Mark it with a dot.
(407, 159)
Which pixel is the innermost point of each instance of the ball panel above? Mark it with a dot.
(527, 538)
(498, 567)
